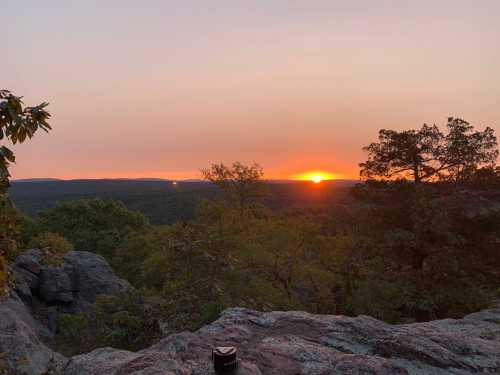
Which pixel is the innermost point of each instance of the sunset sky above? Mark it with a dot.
(164, 88)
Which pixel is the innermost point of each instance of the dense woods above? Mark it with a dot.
(419, 247)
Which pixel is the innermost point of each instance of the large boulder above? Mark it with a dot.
(56, 284)
(300, 343)
(72, 285)
(28, 316)
(92, 276)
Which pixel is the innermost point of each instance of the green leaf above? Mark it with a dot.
(21, 135)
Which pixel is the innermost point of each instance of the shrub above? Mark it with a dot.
(4, 277)
(53, 246)
(127, 321)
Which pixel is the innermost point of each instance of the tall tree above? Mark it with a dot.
(427, 154)
(466, 150)
(241, 183)
(402, 154)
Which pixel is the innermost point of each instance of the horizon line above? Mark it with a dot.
(48, 179)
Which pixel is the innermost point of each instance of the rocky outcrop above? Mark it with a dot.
(28, 317)
(71, 286)
(301, 343)
(283, 343)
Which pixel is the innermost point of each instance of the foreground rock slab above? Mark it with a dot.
(301, 343)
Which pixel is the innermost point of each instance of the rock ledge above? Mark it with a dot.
(284, 343)
(301, 343)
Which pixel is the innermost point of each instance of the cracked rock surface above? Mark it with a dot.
(289, 343)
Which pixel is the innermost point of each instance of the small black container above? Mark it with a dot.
(224, 359)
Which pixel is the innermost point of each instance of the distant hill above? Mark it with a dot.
(36, 180)
(164, 202)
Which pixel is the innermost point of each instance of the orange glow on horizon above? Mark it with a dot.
(319, 175)
(315, 176)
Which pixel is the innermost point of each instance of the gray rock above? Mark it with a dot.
(25, 283)
(73, 286)
(113, 362)
(52, 319)
(300, 343)
(30, 261)
(56, 284)
(41, 291)
(23, 351)
(92, 276)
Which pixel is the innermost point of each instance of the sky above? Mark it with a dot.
(164, 88)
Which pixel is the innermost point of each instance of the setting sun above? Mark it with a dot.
(317, 179)
(315, 176)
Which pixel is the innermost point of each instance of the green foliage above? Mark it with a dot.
(381, 298)
(437, 247)
(17, 124)
(125, 321)
(165, 204)
(4, 277)
(52, 241)
(382, 256)
(241, 184)
(12, 225)
(53, 245)
(183, 273)
(93, 225)
(5, 369)
(210, 311)
(208, 265)
(11, 222)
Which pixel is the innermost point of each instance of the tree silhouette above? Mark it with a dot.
(427, 154)
(241, 183)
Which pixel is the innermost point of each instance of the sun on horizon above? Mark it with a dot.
(317, 179)
(315, 176)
